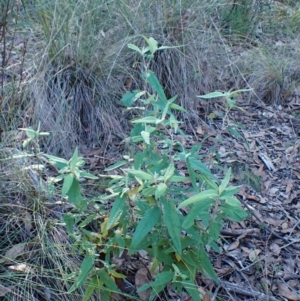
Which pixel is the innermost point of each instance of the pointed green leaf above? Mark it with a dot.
(232, 201)
(192, 289)
(229, 192)
(213, 95)
(172, 221)
(156, 86)
(206, 266)
(152, 44)
(68, 181)
(176, 107)
(234, 213)
(169, 172)
(116, 165)
(225, 181)
(116, 211)
(56, 161)
(148, 119)
(145, 225)
(196, 164)
(176, 179)
(133, 47)
(146, 137)
(160, 190)
(94, 284)
(75, 197)
(85, 268)
(87, 175)
(207, 194)
(88, 220)
(74, 159)
(70, 222)
(107, 280)
(210, 182)
(161, 280)
(127, 99)
(139, 174)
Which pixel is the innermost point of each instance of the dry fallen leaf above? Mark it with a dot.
(141, 278)
(253, 255)
(275, 249)
(22, 267)
(13, 252)
(233, 245)
(285, 291)
(27, 219)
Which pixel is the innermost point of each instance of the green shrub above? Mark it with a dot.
(165, 201)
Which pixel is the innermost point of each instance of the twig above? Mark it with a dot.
(244, 291)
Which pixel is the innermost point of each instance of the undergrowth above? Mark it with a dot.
(173, 218)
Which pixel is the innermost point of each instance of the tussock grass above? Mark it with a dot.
(36, 252)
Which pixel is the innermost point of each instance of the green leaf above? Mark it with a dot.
(145, 225)
(172, 221)
(176, 179)
(116, 211)
(70, 222)
(148, 119)
(85, 268)
(229, 191)
(56, 161)
(214, 229)
(116, 165)
(87, 175)
(176, 107)
(160, 190)
(130, 97)
(135, 48)
(94, 284)
(225, 181)
(192, 289)
(232, 201)
(213, 95)
(196, 164)
(88, 220)
(161, 280)
(156, 86)
(149, 191)
(210, 182)
(107, 280)
(26, 142)
(152, 44)
(139, 174)
(234, 133)
(74, 159)
(207, 194)
(68, 181)
(146, 137)
(206, 266)
(169, 172)
(234, 213)
(75, 197)
(29, 132)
